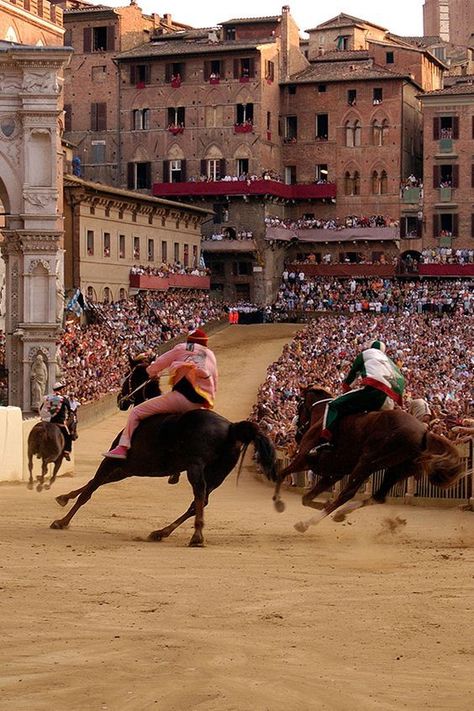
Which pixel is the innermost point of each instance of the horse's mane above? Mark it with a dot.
(318, 388)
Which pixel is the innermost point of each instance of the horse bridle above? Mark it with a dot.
(303, 428)
(130, 397)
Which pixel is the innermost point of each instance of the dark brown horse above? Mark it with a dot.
(45, 441)
(200, 442)
(391, 440)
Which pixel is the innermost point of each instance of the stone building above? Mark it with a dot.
(108, 231)
(448, 167)
(32, 61)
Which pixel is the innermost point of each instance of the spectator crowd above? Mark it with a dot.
(334, 223)
(435, 354)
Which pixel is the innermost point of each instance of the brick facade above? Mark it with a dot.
(31, 22)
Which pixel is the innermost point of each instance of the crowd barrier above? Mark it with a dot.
(410, 490)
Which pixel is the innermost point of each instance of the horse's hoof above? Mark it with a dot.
(29, 485)
(196, 543)
(339, 517)
(39, 487)
(301, 527)
(62, 500)
(279, 506)
(155, 536)
(58, 525)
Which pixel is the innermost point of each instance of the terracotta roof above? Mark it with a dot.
(251, 20)
(455, 90)
(176, 48)
(90, 8)
(344, 20)
(343, 71)
(337, 55)
(421, 41)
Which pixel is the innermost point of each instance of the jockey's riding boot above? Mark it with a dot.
(119, 452)
(321, 447)
(67, 456)
(173, 479)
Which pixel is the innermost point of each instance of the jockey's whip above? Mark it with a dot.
(127, 397)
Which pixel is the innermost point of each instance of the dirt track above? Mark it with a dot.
(346, 617)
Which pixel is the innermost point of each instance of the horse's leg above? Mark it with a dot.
(62, 499)
(30, 469)
(168, 530)
(198, 482)
(57, 466)
(358, 475)
(44, 471)
(297, 465)
(324, 483)
(390, 478)
(102, 477)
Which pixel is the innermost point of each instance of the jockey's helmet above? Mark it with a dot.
(59, 386)
(197, 336)
(379, 345)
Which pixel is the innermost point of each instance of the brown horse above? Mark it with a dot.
(46, 441)
(391, 440)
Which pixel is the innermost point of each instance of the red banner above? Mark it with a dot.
(446, 270)
(344, 270)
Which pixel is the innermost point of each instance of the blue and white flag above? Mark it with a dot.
(76, 303)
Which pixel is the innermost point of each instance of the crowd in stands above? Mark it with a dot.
(229, 234)
(435, 353)
(375, 295)
(94, 356)
(446, 255)
(165, 270)
(313, 223)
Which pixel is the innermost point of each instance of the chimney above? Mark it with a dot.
(285, 42)
(167, 18)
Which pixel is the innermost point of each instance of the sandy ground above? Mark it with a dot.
(346, 617)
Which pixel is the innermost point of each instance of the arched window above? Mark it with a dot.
(375, 183)
(356, 183)
(107, 295)
(123, 294)
(90, 293)
(349, 134)
(377, 133)
(383, 182)
(348, 183)
(357, 133)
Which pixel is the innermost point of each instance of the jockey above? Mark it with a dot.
(56, 408)
(193, 378)
(382, 387)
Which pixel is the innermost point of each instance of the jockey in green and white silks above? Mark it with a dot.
(382, 387)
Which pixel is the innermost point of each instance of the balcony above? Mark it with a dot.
(173, 281)
(228, 245)
(176, 82)
(411, 196)
(445, 145)
(246, 127)
(214, 80)
(445, 194)
(301, 191)
(175, 130)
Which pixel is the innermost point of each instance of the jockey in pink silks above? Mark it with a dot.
(193, 377)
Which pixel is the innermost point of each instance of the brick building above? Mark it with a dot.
(448, 167)
(91, 95)
(452, 20)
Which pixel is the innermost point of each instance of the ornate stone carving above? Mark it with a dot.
(37, 262)
(9, 126)
(41, 82)
(38, 381)
(9, 83)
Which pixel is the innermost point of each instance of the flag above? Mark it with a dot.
(74, 303)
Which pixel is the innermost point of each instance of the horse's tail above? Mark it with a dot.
(246, 432)
(440, 460)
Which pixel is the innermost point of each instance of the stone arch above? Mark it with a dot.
(175, 152)
(213, 152)
(107, 295)
(243, 151)
(91, 294)
(140, 155)
(11, 35)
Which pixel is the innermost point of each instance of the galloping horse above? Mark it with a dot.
(46, 441)
(392, 440)
(131, 392)
(200, 442)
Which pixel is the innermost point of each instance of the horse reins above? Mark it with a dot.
(129, 396)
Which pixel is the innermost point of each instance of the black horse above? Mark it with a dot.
(137, 386)
(200, 442)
